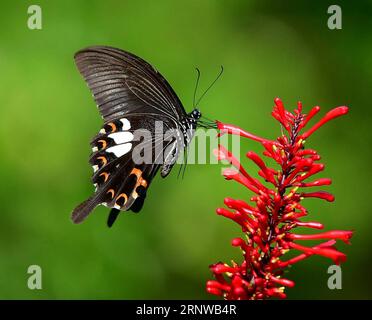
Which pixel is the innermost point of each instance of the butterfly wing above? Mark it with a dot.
(123, 83)
(131, 95)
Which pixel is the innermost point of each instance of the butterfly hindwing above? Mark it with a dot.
(120, 182)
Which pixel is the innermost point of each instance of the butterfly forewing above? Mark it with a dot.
(122, 83)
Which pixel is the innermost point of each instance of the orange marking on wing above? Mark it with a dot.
(113, 126)
(105, 174)
(136, 172)
(103, 159)
(121, 195)
(112, 193)
(140, 181)
(104, 143)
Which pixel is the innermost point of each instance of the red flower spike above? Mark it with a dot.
(268, 175)
(345, 236)
(309, 116)
(316, 167)
(314, 225)
(329, 116)
(269, 223)
(279, 107)
(283, 282)
(228, 128)
(299, 108)
(232, 174)
(331, 253)
(320, 194)
(316, 183)
(303, 256)
(223, 154)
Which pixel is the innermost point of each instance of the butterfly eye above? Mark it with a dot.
(195, 114)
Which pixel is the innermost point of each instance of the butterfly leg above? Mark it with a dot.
(170, 158)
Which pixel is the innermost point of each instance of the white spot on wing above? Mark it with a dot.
(102, 131)
(121, 137)
(120, 149)
(126, 124)
(94, 149)
(95, 168)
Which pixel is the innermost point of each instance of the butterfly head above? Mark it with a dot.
(195, 119)
(195, 114)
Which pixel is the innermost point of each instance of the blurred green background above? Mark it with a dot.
(48, 117)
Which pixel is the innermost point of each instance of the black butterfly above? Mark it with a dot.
(131, 95)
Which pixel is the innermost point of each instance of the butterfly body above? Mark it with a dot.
(133, 99)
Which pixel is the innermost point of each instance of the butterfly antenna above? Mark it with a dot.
(196, 85)
(210, 86)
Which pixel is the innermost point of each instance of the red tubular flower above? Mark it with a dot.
(268, 224)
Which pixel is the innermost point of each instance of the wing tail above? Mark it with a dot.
(84, 209)
(114, 213)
